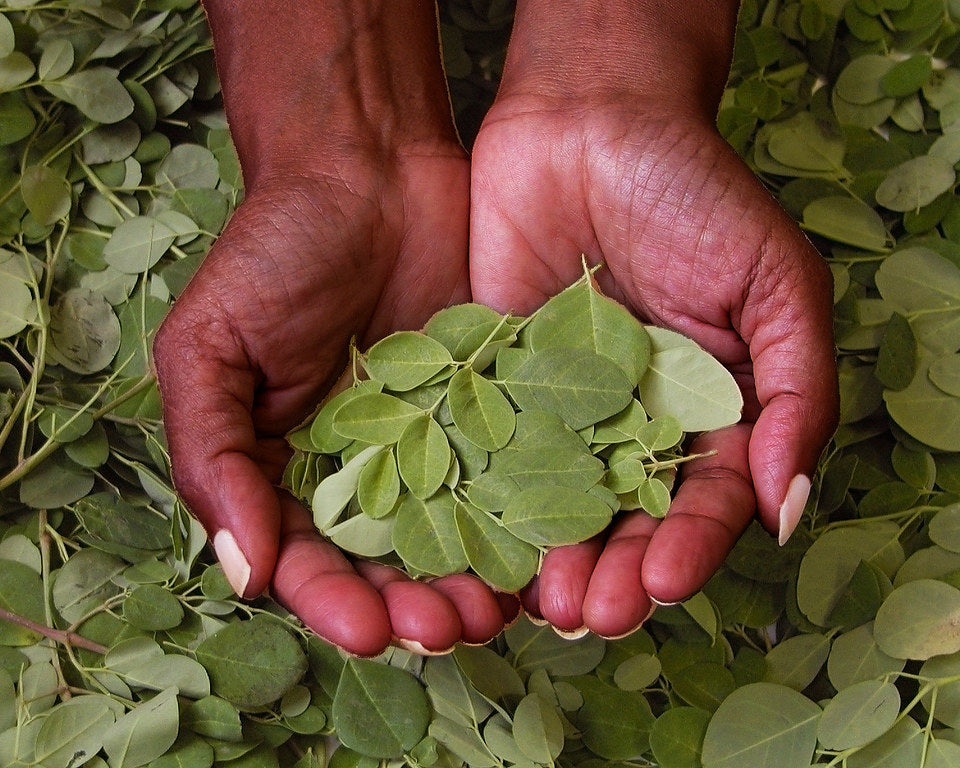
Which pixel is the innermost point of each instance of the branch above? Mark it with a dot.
(57, 635)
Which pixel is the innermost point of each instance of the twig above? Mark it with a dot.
(57, 635)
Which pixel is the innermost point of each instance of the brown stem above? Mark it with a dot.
(57, 635)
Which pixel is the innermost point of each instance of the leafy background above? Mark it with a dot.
(120, 641)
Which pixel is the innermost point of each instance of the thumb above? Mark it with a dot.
(206, 389)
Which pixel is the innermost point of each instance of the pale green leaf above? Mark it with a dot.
(374, 417)
(46, 193)
(918, 620)
(425, 535)
(578, 385)
(582, 317)
(96, 92)
(495, 555)
(379, 710)
(548, 516)
(405, 360)
(423, 456)
(859, 714)
(760, 725)
(144, 733)
(480, 410)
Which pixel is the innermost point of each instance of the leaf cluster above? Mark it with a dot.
(485, 439)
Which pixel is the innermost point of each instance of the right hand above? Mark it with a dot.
(355, 249)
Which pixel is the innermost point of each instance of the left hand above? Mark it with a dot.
(690, 240)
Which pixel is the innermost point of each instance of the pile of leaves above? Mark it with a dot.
(120, 640)
(486, 439)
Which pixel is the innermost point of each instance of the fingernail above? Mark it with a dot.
(662, 603)
(418, 648)
(571, 634)
(234, 564)
(792, 508)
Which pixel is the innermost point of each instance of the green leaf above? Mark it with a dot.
(579, 386)
(170, 671)
(614, 724)
(898, 355)
(925, 287)
(214, 717)
(451, 325)
(677, 735)
(334, 492)
(480, 410)
(138, 244)
(944, 372)
(539, 647)
(916, 183)
(944, 528)
(847, 221)
(831, 561)
(918, 620)
(684, 381)
(807, 143)
(796, 661)
(379, 710)
(188, 166)
(907, 76)
(374, 417)
(900, 747)
(322, 434)
(15, 69)
(46, 193)
(96, 92)
(858, 715)
(423, 456)
(759, 725)
(425, 535)
(492, 491)
(364, 536)
(56, 59)
(926, 412)
(8, 39)
(496, 555)
(151, 607)
(855, 657)
(252, 663)
(654, 497)
(553, 515)
(73, 731)
(378, 485)
(17, 308)
(85, 331)
(582, 317)
(144, 733)
(537, 729)
(405, 360)
(21, 594)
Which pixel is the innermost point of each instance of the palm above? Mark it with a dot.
(306, 265)
(691, 241)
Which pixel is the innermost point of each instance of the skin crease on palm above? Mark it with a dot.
(370, 235)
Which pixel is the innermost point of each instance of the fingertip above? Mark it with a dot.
(481, 616)
(344, 610)
(565, 577)
(420, 614)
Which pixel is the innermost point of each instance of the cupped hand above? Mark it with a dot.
(690, 240)
(309, 261)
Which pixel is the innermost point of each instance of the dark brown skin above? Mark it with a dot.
(360, 202)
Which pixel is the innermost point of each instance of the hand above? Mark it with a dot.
(690, 240)
(354, 225)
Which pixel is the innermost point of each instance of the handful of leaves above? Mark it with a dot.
(485, 439)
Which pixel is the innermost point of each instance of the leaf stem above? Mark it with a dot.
(57, 635)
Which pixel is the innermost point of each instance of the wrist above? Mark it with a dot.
(585, 51)
(307, 83)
